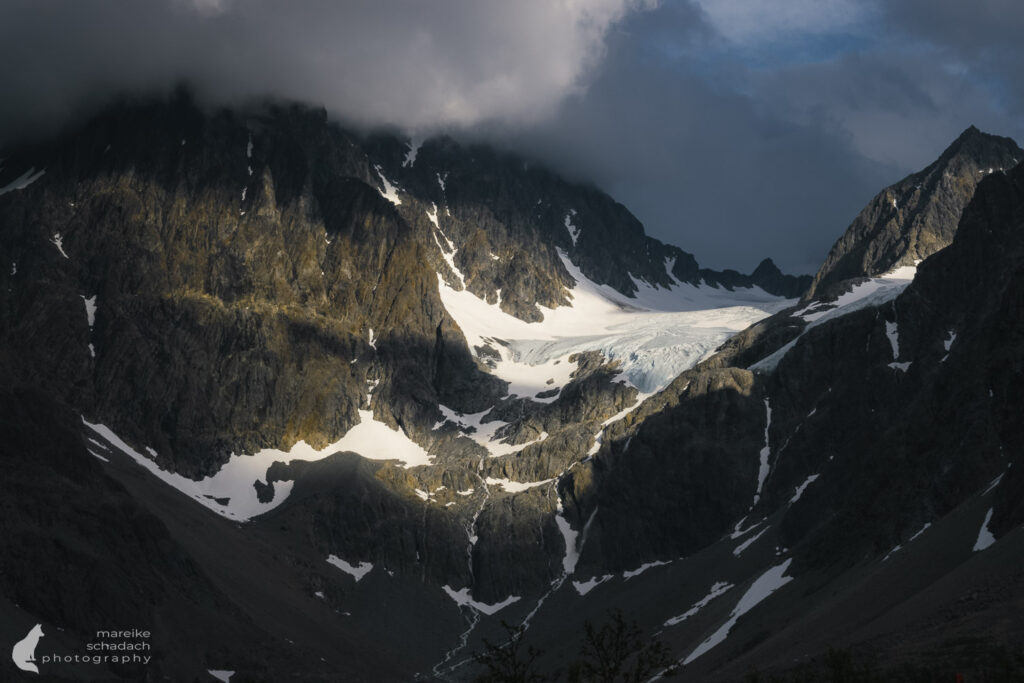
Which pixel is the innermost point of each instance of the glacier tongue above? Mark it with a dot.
(656, 335)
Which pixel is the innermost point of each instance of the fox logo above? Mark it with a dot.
(24, 652)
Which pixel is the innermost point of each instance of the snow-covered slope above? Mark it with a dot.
(656, 335)
(871, 292)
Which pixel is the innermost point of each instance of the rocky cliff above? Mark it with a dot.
(206, 290)
(911, 220)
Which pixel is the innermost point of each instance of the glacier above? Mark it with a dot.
(655, 335)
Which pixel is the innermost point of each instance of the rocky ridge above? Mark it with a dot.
(230, 282)
(909, 221)
(299, 292)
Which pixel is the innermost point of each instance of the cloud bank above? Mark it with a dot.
(413, 64)
(737, 129)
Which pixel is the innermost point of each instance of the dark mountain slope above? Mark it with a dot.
(883, 423)
(905, 443)
(83, 553)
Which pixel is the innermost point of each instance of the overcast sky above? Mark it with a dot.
(737, 129)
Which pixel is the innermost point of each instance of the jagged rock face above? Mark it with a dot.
(672, 477)
(235, 293)
(767, 276)
(916, 217)
(911, 445)
(209, 284)
(508, 218)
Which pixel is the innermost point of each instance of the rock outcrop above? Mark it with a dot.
(911, 220)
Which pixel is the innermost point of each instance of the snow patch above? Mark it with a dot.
(765, 585)
(985, 537)
(894, 550)
(90, 309)
(464, 599)
(737, 531)
(893, 333)
(747, 543)
(902, 367)
(448, 254)
(58, 241)
(357, 570)
(800, 489)
(101, 457)
(432, 215)
(766, 451)
(483, 433)
(948, 344)
(390, 192)
(584, 587)
(599, 437)
(570, 536)
(872, 292)
(627, 575)
(516, 486)
(670, 264)
(995, 483)
(23, 181)
(574, 232)
(222, 675)
(410, 156)
(717, 589)
(231, 492)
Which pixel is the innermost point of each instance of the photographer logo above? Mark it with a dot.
(24, 652)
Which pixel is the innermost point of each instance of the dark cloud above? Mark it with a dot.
(769, 124)
(978, 41)
(409, 63)
(975, 28)
(737, 129)
(707, 168)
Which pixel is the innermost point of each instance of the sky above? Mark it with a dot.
(736, 129)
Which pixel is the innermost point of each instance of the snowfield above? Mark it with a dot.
(656, 335)
(872, 292)
(231, 492)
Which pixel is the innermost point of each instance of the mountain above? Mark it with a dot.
(316, 404)
(884, 432)
(911, 220)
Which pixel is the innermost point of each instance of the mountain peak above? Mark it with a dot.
(975, 145)
(917, 216)
(766, 267)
